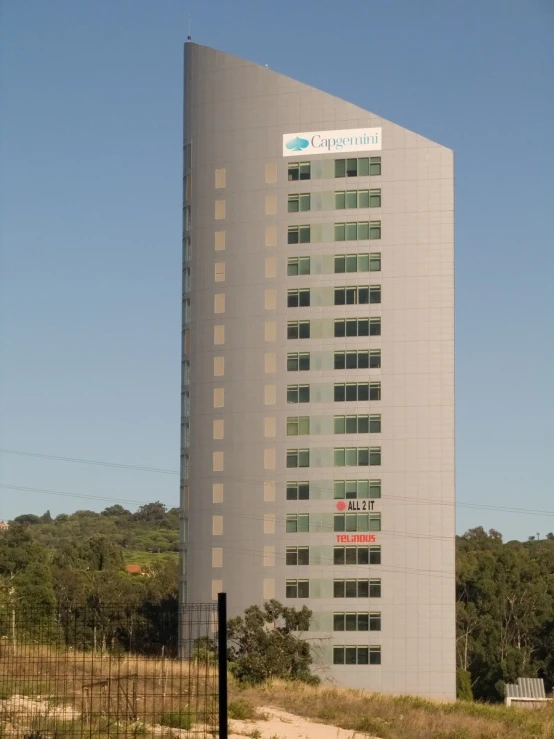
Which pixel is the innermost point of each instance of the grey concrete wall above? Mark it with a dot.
(233, 487)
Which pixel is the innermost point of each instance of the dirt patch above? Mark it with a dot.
(283, 725)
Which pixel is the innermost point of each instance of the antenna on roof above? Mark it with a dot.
(189, 37)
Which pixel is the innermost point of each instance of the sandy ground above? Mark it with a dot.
(282, 725)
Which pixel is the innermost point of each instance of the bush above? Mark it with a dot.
(464, 691)
(241, 710)
(183, 719)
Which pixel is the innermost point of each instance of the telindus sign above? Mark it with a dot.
(327, 142)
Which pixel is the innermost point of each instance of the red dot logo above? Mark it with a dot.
(341, 505)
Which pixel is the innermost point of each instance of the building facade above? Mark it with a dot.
(317, 449)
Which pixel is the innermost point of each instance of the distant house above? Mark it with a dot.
(133, 569)
(4, 526)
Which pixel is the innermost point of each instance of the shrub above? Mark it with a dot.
(183, 719)
(464, 691)
(241, 710)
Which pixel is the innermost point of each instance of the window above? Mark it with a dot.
(375, 555)
(357, 263)
(298, 457)
(375, 588)
(357, 555)
(298, 490)
(298, 589)
(299, 171)
(300, 298)
(357, 391)
(357, 456)
(375, 326)
(351, 295)
(357, 231)
(356, 622)
(351, 327)
(375, 262)
(375, 198)
(351, 489)
(298, 426)
(345, 199)
(361, 167)
(356, 522)
(298, 362)
(298, 556)
(374, 165)
(299, 202)
(357, 655)
(299, 235)
(357, 424)
(298, 266)
(188, 160)
(298, 394)
(358, 360)
(351, 588)
(298, 330)
(298, 523)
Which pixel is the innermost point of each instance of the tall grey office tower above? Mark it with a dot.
(318, 371)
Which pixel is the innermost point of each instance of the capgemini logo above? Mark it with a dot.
(297, 144)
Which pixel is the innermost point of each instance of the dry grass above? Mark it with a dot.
(404, 717)
(72, 694)
(68, 693)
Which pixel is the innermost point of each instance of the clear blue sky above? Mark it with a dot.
(90, 219)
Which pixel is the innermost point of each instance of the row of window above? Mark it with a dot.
(300, 425)
(299, 523)
(344, 263)
(344, 327)
(357, 655)
(365, 359)
(349, 489)
(302, 201)
(341, 588)
(343, 392)
(344, 231)
(354, 167)
(343, 457)
(297, 556)
(353, 295)
(357, 621)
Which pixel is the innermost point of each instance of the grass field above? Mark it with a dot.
(401, 718)
(63, 694)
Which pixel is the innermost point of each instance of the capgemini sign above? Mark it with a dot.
(332, 142)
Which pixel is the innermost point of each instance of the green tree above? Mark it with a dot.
(266, 642)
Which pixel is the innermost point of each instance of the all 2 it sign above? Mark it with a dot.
(355, 505)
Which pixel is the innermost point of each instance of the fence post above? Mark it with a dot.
(222, 664)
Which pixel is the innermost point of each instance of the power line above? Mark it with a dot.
(404, 499)
(91, 461)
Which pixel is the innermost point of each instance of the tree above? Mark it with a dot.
(266, 642)
(27, 519)
(115, 510)
(151, 512)
(464, 691)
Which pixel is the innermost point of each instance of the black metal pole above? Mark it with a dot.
(222, 664)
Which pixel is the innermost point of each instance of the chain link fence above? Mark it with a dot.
(109, 671)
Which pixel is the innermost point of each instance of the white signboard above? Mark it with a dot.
(331, 142)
